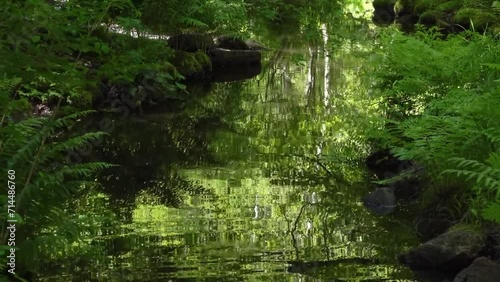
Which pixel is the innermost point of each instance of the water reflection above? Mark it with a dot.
(256, 180)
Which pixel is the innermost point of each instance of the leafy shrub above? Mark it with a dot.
(443, 97)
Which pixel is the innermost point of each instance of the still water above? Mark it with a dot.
(251, 180)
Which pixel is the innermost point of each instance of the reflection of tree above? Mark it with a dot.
(148, 150)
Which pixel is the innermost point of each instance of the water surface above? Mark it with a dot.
(254, 180)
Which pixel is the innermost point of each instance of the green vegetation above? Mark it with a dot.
(444, 104)
(61, 59)
(450, 15)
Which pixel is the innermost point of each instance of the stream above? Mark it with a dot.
(251, 180)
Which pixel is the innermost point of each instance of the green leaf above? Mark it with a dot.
(105, 48)
(180, 86)
(35, 38)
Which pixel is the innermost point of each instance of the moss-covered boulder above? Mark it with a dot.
(231, 43)
(191, 42)
(451, 251)
(186, 64)
(450, 15)
(384, 13)
(203, 60)
(475, 18)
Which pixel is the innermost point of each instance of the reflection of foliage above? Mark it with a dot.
(89, 220)
(146, 164)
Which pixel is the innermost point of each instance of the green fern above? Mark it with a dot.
(192, 22)
(492, 212)
(34, 148)
(482, 174)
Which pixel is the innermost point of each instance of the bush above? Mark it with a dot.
(444, 102)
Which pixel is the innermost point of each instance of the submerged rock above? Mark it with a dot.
(481, 270)
(381, 201)
(451, 251)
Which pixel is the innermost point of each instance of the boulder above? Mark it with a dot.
(381, 201)
(481, 270)
(191, 42)
(385, 165)
(384, 13)
(236, 73)
(231, 43)
(254, 45)
(223, 57)
(429, 226)
(451, 251)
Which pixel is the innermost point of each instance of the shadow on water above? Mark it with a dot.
(254, 180)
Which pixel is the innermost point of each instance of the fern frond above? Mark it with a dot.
(86, 169)
(476, 171)
(75, 143)
(66, 120)
(492, 212)
(192, 22)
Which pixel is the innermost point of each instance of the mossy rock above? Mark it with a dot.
(430, 17)
(480, 18)
(467, 227)
(422, 6)
(384, 13)
(186, 63)
(191, 42)
(383, 3)
(168, 68)
(449, 6)
(231, 43)
(204, 60)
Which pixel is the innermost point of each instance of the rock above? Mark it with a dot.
(231, 43)
(254, 45)
(430, 226)
(384, 13)
(223, 57)
(382, 201)
(191, 42)
(186, 64)
(451, 251)
(386, 165)
(493, 241)
(481, 270)
(235, 73)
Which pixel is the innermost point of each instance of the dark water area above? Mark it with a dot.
(251, 180)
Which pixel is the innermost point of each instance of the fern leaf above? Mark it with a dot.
(76, 142)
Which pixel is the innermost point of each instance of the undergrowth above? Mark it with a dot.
(43, 182)
(443, 96)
